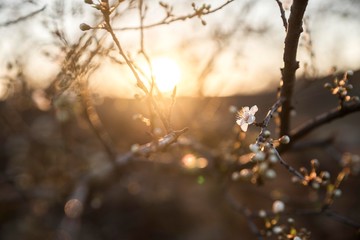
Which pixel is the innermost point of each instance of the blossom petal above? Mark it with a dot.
(245, 109)
(240, 121)
(244, 127)
(253, 109)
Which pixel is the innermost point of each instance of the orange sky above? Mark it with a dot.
(247, 63)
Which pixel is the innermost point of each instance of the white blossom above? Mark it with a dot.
(246, 117)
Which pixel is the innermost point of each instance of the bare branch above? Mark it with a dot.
(175, 19)
(288, 167)
(267, 119)
(247, 214)
(282, 13)
(290, 62)
(95, 123)
(322, 119)
(81, 190)
(22, 18)
(342, 219)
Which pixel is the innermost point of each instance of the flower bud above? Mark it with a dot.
(233, 109)
(254, 148)
(84, 27)
(325, 175)
(315, 185)
(315, 163)
(267, 133)
(285, 139)
(262, 213)
(235, 176)
(88, 1)
(135, 147)
(270, 174)
(356, 99)
(259, 156)
(350, 73)
(277, 229)
(337, 192)
(291, 220)
(273, 158)
(327, 85)
(245, 174)
(278, 206)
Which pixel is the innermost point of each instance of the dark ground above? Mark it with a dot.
(42, 160)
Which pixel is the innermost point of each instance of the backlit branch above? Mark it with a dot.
(282, 13)
(322, 119)
(290, 62)
(68, 225)
(22, 18)
(171, 19)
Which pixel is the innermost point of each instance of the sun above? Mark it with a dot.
(166, 72)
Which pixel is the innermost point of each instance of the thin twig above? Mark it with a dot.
(267, 119)
(290, 62)
(282, 13)
(95, 123)
(342, 219)
(81, 190)
(247, 214)
(22, 18)
(140, 83)
(329, 213)
(288, 167)
(175, 19)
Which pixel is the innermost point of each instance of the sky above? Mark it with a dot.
(245, 62)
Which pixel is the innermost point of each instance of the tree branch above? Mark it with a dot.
(22, 18)
(288, 167)
(267, 119)
(322, 119)
(290, 62)
(81, 190)
(247, 214)
(282, 13)
(175, 19)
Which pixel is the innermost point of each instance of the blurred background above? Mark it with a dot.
(56, 176)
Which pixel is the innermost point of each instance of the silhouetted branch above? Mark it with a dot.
(317, 143)
(169, 20)
(247, 214)
(290, 62)
(22, 18)
(267, 119)
(329, 213)
(288, 167)
(322, 119)
(95, 123)
(342, 219)
(282, 13)
(139, 82)
(81, 190)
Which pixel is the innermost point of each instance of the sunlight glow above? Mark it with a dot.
(167, 73)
